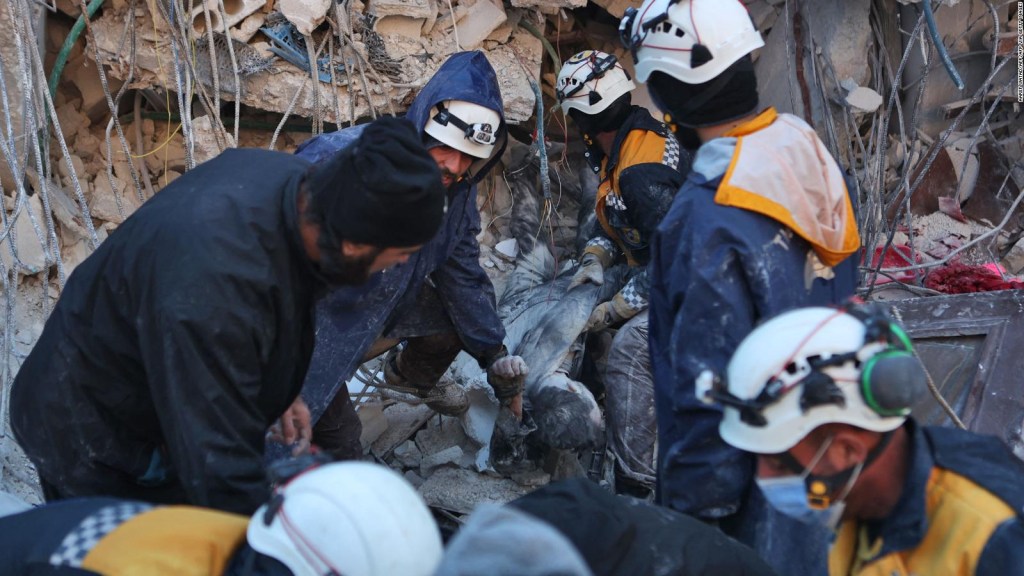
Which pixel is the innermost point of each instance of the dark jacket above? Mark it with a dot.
(88, 536)
(623, 535)
(716, 272)
(961, 513)
(637, 183)
(350, 319)
(177, 343)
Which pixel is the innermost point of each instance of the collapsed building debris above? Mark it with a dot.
(938, 171)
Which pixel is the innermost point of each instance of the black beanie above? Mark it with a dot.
(384, 189)
(730, 95)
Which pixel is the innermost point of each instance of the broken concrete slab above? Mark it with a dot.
(415, 479)
(371, 416)
(863, 99)
(616, 8)
(408, 454)
(480, 19)
(105, 196)
(460, 491)
(440, 433)
(520, 104)
(249, 27)
(550, 6)
(209, 140)
(420, 9)
(403, 421)
(29, 246)
(401, 26)
(83, 74)
(450, 455)
(71, 120)
(306, 15)
(234, 12)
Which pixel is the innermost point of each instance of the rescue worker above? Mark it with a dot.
(577, 528)
(179, 341)
(640, 165)
(441, 301)
(763, 223)
(822, 396)
(343, 518)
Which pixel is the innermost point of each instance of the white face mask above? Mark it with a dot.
(788, 494)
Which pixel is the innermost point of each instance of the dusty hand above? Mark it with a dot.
(294, 427)
(590, 270)
(603, 316)
(506, 375)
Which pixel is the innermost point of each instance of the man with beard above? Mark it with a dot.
(441, 301)
(189, 331)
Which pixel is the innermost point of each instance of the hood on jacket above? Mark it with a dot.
(466, 76)
(469, 77)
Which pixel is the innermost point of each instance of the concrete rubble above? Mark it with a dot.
(958, 157)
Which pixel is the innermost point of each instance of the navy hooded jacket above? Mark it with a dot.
(349, 320)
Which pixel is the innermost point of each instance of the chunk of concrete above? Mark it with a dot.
(616, 8)
(105, 196)
(420, 9)
(838, 28)
(863, 99)
(83, 74)
(479, 20)
(520, 104)
(440, 434)
(400, 25)
(29, 246)
(415, 479)
(71, 120)
(428, 464)
(408, 454)
(209, 140)
(234, 12)
(76, 163)
(508, 249)
(460, 491)
(371, 416)
(306, 15)
(249, 27)
(549, 6)
(403, 421)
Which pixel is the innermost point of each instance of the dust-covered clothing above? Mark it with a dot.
(742, 242)
(638, 180)
(89, 536)
(351, 319)
(629, 404)
(624, 535)
(961, 513)
(177, 343)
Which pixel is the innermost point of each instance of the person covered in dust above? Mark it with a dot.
(441, 301)
(640, 165)
(182, 338)
(763, 223)
(338, 518)
(823, 397)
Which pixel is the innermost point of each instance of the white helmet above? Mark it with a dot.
(692, 41)
(591, 81)
(350, 518)
(464, 126)
(817, 366)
